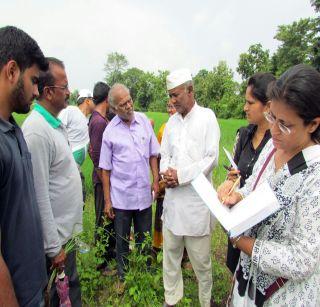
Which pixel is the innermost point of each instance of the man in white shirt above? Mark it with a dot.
(76, 121)
(190, 145)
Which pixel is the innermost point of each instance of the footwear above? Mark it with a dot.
(119, 287)
(167, 305)
(108, 272)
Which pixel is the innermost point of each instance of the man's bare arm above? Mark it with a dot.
(155, 174)
(7, 295)
(106, 192)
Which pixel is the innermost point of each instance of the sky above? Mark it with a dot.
(153, 35)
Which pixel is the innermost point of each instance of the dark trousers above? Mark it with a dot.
(83, 183)
(74, 283)
(142, 221)
(108, 230)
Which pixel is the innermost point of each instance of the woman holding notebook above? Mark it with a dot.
(250, 141)
(280, 257)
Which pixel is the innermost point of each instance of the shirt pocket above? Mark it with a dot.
(143, 145)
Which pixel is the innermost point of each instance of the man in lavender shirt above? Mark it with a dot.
(129, 146)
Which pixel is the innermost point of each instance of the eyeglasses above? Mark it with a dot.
(65, 87)
(270, 118)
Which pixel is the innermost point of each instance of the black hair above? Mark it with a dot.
(299, 88)
(81, 100)
(46, 78)
(100, 92)
(17, 45)
(259, 83)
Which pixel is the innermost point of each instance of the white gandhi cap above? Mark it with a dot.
(84, 93)
(178, 77)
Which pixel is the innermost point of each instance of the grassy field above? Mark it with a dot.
(144, 287)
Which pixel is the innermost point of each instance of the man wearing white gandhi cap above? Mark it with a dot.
(190, 145)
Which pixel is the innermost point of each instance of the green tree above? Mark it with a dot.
(201, 87)
(217, 90)
(115, 66)
(316, 47)
(297, 44)
(132, 79)
(255, 60)
(220, 82)
(160, 96)
(316, 5)
(73, 98)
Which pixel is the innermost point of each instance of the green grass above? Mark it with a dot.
(97, 290)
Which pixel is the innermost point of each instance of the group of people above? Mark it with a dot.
(276, 262)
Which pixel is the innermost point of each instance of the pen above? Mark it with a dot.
(232, 189)
(228, 168)
(234, 185)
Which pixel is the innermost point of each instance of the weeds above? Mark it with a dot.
(143, 283)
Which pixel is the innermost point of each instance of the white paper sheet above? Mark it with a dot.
(234, 165)
(256, 207)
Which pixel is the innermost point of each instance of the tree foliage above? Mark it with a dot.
(73, 98)
(216, 89)
(255, 60)
(316, 5)
(116, 64)
(297, 44)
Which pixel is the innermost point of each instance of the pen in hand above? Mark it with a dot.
(232, 188)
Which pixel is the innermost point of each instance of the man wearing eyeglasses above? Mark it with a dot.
(129, 150)
(56, 176)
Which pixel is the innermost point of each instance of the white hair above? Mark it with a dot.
(112, 93)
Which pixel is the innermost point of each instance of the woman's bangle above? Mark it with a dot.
(234, 243)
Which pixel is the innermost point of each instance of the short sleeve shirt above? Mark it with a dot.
(20, 225)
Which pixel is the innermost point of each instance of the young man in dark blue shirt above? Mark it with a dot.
(22, 261)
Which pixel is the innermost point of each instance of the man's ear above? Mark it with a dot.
(47, 93)
(12, 71)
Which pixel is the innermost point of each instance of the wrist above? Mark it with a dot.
(107, 203)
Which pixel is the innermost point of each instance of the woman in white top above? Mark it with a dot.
(280, 257)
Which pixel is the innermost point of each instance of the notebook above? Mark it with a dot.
(257, 206)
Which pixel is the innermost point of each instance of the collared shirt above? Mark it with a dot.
(191, 146)
(57, 179)
(21, 238)
(125, 151)
(77, 128)
(97, 125)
